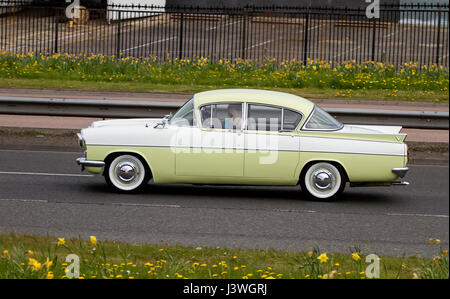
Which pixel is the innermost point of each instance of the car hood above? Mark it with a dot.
(126, 122)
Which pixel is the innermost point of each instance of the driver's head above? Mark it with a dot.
(234, 110)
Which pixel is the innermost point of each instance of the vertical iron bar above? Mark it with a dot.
(374, 32)
(118, 45)
(305, 41)
(180, 47)
(438, 41)
(56, 30)
(244, 33)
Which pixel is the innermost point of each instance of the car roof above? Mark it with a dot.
(268, 97)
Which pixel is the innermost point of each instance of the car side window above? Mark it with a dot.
(185, 116)
(222, 116)
(264, 118)
(291, 120)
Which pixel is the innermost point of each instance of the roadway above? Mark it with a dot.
(45, 193)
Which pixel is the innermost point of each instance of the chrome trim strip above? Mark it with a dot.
(402, 183)
(87, 163)
(352, 139)
(281, 150)
(401, 172)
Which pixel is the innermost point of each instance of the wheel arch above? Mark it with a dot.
(114, 154)
(333, 162)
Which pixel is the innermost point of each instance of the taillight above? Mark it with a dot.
(407, 154)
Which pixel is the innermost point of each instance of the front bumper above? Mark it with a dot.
(87, 163)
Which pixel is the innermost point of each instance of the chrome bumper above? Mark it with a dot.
(400, 183)
(86, 163)
(401, 172)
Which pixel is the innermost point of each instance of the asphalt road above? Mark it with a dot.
(45, 193)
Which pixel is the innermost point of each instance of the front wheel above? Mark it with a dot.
(323, 181)
(126, 174)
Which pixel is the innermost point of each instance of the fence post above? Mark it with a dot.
(118, 46)
(55, 48)
(305, 41)
(180, 46)
(374, 32)
(438, 46)
(244, 33)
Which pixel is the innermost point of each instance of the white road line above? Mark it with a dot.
(145, 205)
(417, 215)
(229, 24)
(45, 174)
(151, 43)
(260, 44)
(37, 151)
(24, 200)
(294, 211)
(178, 206)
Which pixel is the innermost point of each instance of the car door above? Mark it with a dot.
(215, 147)
(271, 142)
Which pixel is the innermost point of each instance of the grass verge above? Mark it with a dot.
(28, 256)
(312, 93)
(316, 79)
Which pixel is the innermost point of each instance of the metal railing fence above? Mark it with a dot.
(402, 34)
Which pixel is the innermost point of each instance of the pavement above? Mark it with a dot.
(432, 137)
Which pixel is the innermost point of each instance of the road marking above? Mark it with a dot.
(293, 211)
(228, 24)
(45, 174)
(145, 205)
(37, 151)
(151, 43)
(257, 45)
(227, 208)
(24, 200)
(417, 215)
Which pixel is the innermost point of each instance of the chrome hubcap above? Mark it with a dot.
(323, 180)
(127, 172)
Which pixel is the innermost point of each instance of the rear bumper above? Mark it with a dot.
(87, 163)
(400, 172)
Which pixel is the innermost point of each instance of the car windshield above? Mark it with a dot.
(321, 120)
(185, 115)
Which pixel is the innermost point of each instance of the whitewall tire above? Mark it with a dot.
(323, 181)
(126, 173)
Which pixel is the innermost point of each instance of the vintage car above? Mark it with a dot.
(245, 137)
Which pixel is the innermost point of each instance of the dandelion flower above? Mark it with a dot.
(356, 257)
(323, 258)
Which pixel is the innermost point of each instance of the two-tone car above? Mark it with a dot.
(245, 137)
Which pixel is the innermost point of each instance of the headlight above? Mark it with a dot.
(81, 141)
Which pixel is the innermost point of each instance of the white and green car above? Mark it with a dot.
(245, 137)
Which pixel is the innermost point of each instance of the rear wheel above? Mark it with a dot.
(323, 181)
(126, 174)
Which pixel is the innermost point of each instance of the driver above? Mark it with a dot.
(235, 114)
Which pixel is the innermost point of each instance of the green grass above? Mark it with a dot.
(312, 93)
(317, 79)
(27, 256)
(34, 133)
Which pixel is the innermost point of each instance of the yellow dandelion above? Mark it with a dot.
(323, 258)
